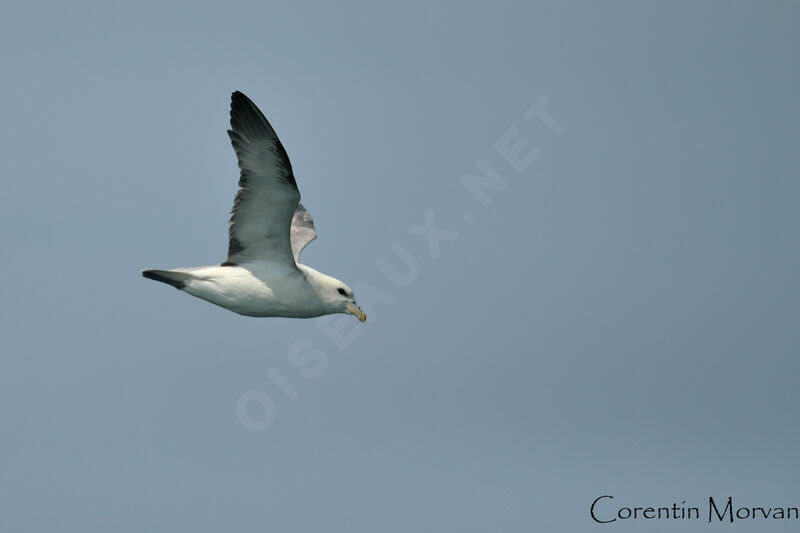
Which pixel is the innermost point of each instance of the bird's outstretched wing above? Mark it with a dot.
(302, 231)
(267, 198)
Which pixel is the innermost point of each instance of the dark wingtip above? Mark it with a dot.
(247, 120)
(239, 98)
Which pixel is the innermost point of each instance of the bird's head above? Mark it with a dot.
(338, 297)
(346, 301)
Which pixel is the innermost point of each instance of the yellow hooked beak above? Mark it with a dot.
(354, 309)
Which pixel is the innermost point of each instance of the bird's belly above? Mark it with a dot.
(248, 295)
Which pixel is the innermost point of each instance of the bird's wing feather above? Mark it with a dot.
(302, 231)
(267, 197)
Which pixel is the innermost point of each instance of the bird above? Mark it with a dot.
(268, 229)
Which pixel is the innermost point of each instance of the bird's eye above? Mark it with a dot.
(341, 291)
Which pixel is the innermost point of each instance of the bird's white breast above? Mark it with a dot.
(256, 289)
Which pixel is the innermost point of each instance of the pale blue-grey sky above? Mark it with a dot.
(621, 319)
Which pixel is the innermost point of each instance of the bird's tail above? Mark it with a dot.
(171, 277)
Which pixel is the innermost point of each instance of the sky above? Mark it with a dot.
(572, 224)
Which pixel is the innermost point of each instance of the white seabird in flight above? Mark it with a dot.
(269, 227)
